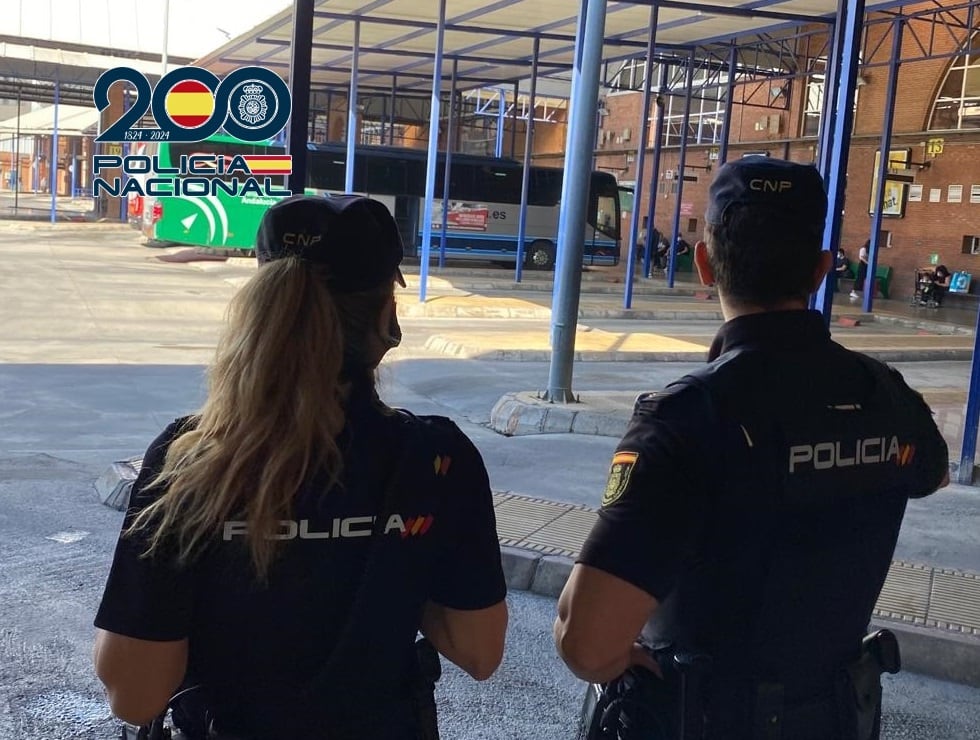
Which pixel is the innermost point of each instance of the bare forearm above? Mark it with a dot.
(473, 640)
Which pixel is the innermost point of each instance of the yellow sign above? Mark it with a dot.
(934, 146)
(894, 200)
(112, 149)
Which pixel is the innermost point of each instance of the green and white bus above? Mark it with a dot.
(482, 218)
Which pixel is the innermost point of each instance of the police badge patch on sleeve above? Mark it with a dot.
(619, 476)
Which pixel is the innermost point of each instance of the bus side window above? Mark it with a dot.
(384, 175)
(498, 184)
(545, 187)
(326, 171)
(461, 183)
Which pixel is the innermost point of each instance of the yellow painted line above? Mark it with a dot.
(943, 395)
(905, 341)
(467, 302)
(585, 341)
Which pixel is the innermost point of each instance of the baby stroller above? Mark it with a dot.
(925, 288)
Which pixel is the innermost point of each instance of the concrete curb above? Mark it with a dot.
(948, 656)
(443, 345)
(523, 413)
(945, 655)
(926, 325)
(436, 311)
(594, 287)
(468, 281)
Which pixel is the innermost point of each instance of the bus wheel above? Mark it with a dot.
(541, 255)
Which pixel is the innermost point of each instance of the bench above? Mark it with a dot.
(883, 277)
(684, 262)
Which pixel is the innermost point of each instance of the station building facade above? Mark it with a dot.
(932, 211)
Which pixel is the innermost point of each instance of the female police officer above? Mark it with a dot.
(285, 545)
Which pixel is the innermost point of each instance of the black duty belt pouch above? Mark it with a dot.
(636, 706)
(858, 685)
(639, 705)
(424, 690)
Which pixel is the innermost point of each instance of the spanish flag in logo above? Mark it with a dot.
(269, 164)
(189, 104)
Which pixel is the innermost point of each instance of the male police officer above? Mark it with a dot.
(753, 506)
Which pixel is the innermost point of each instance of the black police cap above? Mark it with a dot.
(794, 189)
(354, 237)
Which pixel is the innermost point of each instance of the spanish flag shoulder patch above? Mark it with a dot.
(619, 475)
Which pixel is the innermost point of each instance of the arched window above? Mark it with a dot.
(958, 104)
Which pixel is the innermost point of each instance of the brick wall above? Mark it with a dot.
(926, 228)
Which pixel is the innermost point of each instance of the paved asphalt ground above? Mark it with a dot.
(102, 346)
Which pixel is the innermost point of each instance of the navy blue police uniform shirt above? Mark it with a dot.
(759, 499)
(255, 648)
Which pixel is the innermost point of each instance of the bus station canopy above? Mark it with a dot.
(73, 120)
(491, 41)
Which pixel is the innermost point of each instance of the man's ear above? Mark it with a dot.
(824, 263)
(703, 264)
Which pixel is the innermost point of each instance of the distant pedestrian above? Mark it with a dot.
(862, 271)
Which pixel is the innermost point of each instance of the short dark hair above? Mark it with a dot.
(761, 255)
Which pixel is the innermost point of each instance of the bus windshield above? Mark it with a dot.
(605, 205)
(608, 216)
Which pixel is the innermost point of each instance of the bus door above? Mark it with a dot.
(602, 229)
(407, 218)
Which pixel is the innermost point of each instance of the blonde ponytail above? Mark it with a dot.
(276, 403)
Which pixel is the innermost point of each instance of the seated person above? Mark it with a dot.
(842, 264)
(682, 247)
(940, 283)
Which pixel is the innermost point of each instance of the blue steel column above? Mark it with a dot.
(384, 119)
(831, 84)
(574, 200)
(36, 170)
(352, 112)
(123, 177)
(53, 174)
(886, 144)
(394, 101)
(449, 164)
(513, 122)
(301, 54)
(972, 416)
(641, 152)
(16, 170)
(526, 173)
(430, 167)
(658, 139)
(501, 117)
(74, 167)
(836, 141)
(676, 231)
(726, 126)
